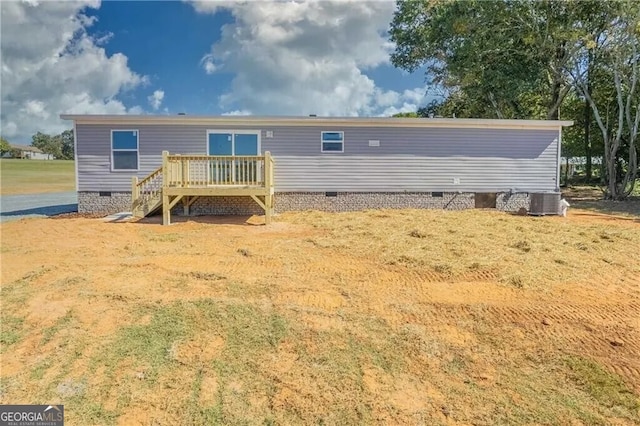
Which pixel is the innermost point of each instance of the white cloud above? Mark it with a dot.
(237, 112)
(407, 101)
(155, 100)
(209, 65)
(35, 109)
(299, 58)
(50, 65)
(416, 95)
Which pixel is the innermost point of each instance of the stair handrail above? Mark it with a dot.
(146, 189)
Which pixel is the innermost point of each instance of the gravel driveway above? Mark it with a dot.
(14, 207)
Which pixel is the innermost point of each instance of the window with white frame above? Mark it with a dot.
(124, 150)
(332, 142)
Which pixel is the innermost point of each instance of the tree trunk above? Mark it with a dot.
(587, 140)
(553, 113)
(587, 123)
(612, 174)
(628, 183)
(558, 92)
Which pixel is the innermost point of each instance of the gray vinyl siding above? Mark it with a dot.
(408, 159)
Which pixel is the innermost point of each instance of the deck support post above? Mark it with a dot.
(268, 211)
(185, 206)
(166, 210)
(135, 194)
(268, 183)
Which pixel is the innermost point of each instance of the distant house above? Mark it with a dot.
(576, 165)
(217, 165)
(27, 152)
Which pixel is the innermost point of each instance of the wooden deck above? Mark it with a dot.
(184, 178)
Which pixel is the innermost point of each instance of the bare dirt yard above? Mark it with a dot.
(392, 317)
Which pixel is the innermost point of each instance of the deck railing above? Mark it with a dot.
(208, 170)
(187, 177)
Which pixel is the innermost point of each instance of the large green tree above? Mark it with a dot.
(612, 55)
(46, 144)
(60, 146)
(67, 145)
(500, 59)
(530, 59)
(4, 146)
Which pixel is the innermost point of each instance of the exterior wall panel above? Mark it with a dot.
(407, 159)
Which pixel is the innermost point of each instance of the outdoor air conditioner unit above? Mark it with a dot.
(543, 203)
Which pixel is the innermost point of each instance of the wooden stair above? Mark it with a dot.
(147, 207)
(147, 194)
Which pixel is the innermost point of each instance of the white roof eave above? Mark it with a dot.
(319, 121)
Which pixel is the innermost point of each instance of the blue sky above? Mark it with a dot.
(166, 40)
(201, 57)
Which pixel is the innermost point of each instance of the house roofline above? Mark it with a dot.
(251, 120)
(26, 148)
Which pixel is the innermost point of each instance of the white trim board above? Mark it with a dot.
(233, 121)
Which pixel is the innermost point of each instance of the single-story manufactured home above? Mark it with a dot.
(248, 164)
(27, 152)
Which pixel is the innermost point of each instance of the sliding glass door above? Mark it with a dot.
(234, 143)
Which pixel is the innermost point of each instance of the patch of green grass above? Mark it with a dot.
(61, 323)
(196, 388)
(17, 292)
(41, 367)
(149, 345)
(551, 406)
(380, 346)
(252, 334)
(82, 410)
(246, 291)
(35, 176)
(457, 364)
(199, 415)
(550, 401)
(557, 391)
(249, 329)
(10, 330)
(605, 387)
